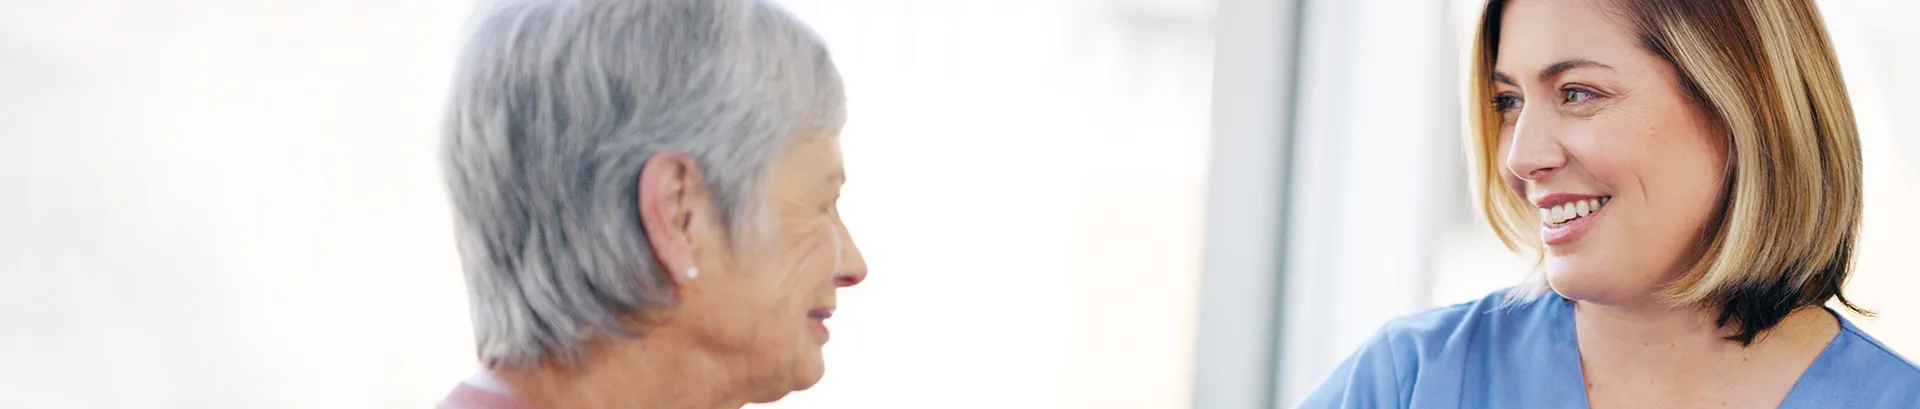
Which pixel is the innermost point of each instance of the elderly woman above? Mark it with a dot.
(1689, 173)
(645, 197)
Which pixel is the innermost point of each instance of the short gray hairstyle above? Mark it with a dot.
(557, 104)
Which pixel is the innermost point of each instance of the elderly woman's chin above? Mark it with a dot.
(805, 371)
(808, 370)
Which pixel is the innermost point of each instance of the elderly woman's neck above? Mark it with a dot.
(655, 373)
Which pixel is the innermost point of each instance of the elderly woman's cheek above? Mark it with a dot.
(807, 260)
(825, 250)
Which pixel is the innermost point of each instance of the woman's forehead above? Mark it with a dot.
(1536, 35)
(811, 162)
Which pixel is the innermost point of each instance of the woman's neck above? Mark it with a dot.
(1653, 331)
(659, 372)
(1646, 331)
(1650, 350)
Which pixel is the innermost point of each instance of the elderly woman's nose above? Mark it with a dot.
(853, 266)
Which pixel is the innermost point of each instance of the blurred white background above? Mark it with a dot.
(225, 204)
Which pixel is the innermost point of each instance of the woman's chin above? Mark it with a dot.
(808, 371)
(802, 375)
(806, 381)
(1602, 280)
(1582, 284)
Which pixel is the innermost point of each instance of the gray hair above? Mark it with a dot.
(556, 106)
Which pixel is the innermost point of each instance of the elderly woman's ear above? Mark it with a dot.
(674, 205)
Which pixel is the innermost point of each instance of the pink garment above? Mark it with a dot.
(482, 391)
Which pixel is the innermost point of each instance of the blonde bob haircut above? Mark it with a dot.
(1765, 71)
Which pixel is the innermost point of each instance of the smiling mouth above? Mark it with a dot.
(1574, 210)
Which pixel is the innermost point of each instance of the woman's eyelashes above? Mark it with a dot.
(1577, 95)
(1507, 101)
(1571, 96)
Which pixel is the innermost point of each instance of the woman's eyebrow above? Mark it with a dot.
(1502, 78)
(1557, 69)
(1553, 71)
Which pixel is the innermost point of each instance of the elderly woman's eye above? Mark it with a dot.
(1575, 95)
(1504, 103)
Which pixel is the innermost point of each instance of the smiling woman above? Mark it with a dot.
(1688, 174)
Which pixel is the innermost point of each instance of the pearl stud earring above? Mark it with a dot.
(693, 272)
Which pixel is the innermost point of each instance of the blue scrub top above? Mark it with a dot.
(1481, 355)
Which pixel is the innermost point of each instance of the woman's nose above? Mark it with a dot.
(1534, 151)
(852, 268)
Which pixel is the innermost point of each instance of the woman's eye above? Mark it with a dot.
(1506, 103)
(1575, 95)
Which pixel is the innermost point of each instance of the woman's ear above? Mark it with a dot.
(672, 199)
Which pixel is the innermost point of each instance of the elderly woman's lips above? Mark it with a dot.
(819, 317)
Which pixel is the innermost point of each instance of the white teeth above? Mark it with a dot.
(1572, 210)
